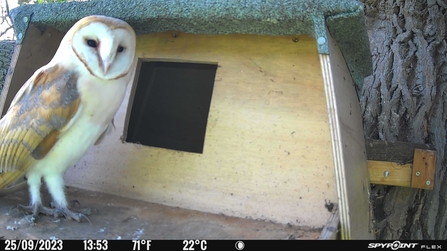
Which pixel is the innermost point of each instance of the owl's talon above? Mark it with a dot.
(34, 211)
(70, 215)
(72, 203)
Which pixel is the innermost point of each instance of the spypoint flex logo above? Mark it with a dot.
(394, 246)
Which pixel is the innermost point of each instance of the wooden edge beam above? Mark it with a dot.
(348, 146)
(389, 173)
(424, 165)
(5, 90)
(418, 174)
(37, 49)
(330, 230)
(399, 152)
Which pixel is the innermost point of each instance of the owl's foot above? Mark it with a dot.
(68, 214)
(37, 209)
(71, 204)
(33, 210)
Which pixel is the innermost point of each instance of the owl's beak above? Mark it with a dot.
(106, 62)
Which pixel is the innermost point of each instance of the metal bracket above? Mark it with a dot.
(321, 35)
(20, 27)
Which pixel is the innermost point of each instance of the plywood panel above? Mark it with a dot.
(267, 152)
(348, 146)
(37, 49)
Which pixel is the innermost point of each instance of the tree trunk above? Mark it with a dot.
(405, 100)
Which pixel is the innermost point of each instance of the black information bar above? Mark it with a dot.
(202, 245)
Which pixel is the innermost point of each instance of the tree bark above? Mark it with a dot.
(405, 100)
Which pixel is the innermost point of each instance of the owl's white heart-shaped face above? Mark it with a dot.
(104, 45)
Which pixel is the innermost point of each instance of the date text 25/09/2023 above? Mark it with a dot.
(134, 245)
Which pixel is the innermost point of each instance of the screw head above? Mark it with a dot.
(321, 40)
(386, 173)
(418, 173)
(427, 183)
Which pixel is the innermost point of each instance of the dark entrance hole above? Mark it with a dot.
(171, 104)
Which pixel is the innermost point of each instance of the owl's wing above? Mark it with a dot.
(40, 112)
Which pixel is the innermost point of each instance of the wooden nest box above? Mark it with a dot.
(249, 110)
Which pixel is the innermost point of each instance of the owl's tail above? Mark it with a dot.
(11, 182)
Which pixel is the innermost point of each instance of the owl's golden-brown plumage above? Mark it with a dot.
(65, 107)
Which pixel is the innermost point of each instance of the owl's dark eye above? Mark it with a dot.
(120, 49)
(92, 43)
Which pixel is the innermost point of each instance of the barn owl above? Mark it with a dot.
(65, 107)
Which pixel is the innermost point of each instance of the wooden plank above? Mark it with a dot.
(389, 173)
(348, 146)
(330, 231)
(399, 152)
(424, 165)
(37, 49)
(418, 174)
(407, 164)
(8, 79)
